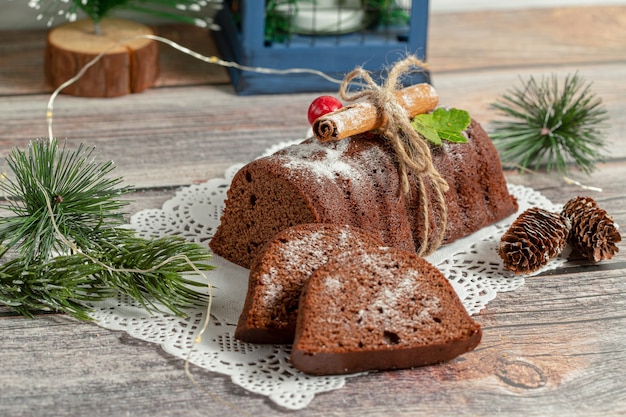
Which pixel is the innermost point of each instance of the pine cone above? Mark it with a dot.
(533, 239)
(594, 234)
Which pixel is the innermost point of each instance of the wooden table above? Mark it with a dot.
(556, 346)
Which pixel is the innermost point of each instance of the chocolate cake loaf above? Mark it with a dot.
(377, 310)
(355, 181)
(280, 271)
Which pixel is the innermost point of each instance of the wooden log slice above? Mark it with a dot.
(127, 67)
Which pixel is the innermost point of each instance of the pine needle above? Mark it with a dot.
(551, 125)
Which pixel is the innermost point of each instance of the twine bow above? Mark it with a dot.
(412, 152)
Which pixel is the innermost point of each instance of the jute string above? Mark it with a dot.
(412, 152)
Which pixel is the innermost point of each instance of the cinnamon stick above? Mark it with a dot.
(363, 116)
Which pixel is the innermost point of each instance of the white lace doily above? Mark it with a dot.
(471, 264)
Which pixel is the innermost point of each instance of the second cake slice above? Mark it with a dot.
(279, 272)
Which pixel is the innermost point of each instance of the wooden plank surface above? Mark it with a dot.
(556, 346)
(527, 38)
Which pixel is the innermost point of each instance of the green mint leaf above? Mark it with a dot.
(451, 123)
(441, 124)
(423, 126)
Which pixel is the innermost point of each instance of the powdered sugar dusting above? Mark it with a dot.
(305, 253)
(273, 288)
(322, 161)
(296, 249)
(395, 305)
(309, 251)
(333, 284)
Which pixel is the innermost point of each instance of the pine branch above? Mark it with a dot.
(151, 272)
(72, 250)
(551, 125)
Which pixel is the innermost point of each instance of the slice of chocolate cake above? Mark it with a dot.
(376, 310)
(282, 268)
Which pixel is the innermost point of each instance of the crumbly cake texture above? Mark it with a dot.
(281, 269)
(355, 181)
(380, 309)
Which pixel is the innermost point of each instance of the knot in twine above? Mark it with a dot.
(412, 152)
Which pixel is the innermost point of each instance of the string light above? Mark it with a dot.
(214, 60)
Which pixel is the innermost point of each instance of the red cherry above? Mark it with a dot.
(323, 105)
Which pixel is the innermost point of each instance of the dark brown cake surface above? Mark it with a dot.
(380, 309)
(281, 269)
(355, 181)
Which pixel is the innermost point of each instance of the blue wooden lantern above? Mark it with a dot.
(242, 39)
